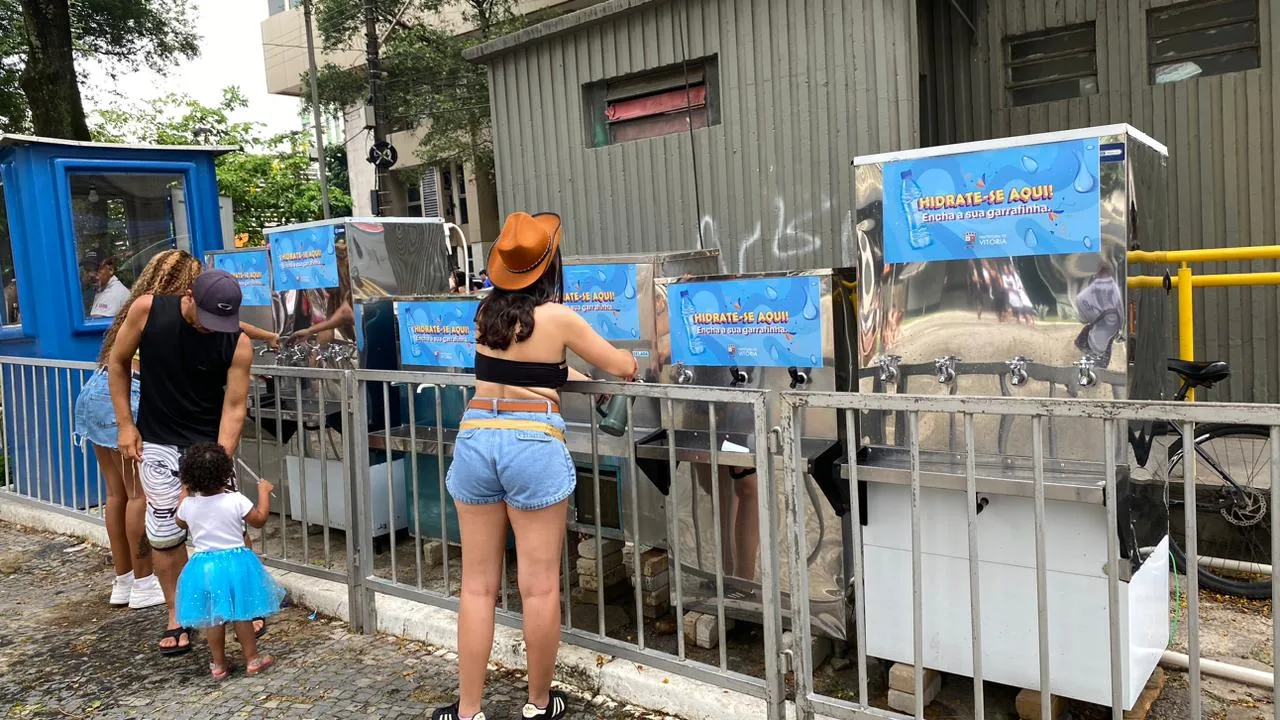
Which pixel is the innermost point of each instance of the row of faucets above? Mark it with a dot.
(945, 369)
(337, 353)
(683, 375)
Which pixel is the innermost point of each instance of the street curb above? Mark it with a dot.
(622, 681)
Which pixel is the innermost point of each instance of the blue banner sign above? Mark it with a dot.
(749, 322)
(303, 259)
(437, 333)
(606, 296)
(250, 268)
(1031, 200)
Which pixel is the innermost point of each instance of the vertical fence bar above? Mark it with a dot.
(359, 503)
(84, 461)
(1275, 552)
(770, 587)
(284, 470)
(859, 568)
(673, 528)
(391, 496)
(62, 474)
(1190, 568)
(1113, 570)
(33, 480)
(975, 581)
(1042, 587)
(412, 396)
(592, 399)
(717, 523)
(6, 391)
(302, 471)
(793, 484)
(917, 571)
(257, 417)
(324, 472)
(42, 410)
(444, 501)
(633, 481)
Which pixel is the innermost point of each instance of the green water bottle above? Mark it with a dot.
(613, 415)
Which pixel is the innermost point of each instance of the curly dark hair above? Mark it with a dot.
(506, 316)
(206, 469)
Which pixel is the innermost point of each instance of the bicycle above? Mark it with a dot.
(1228, 560)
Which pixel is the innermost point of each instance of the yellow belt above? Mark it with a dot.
(499, 424)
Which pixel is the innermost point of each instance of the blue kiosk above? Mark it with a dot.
(68, 211)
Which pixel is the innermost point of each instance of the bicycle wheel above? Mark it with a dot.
(1233, 526)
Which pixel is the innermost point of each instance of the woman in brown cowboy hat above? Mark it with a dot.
(510, 464)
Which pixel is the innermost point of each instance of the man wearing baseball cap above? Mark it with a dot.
(196, 362)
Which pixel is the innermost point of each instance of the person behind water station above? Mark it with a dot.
(510, 464)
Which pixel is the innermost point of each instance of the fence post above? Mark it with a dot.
(792, 483)
(359, 523)
(770, 591)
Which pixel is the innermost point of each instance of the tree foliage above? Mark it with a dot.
(271, 182)
(426, 81)
(39, 87)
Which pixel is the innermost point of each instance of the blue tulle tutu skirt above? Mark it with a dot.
(222, 586)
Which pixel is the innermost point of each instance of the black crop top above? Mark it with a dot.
(521, 374)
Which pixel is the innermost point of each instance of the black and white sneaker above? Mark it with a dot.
(450, 712)
(557, 706)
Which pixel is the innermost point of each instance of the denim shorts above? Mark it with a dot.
(95, 416)
(526, 469)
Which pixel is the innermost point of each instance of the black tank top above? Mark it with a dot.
(183, 377)
(518, 373)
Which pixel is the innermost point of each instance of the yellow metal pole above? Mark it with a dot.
(1249, 252)
(1186, 319)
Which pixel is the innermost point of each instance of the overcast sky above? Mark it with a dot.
(230, 54)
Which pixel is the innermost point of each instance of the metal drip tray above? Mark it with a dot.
(311, 413)
(1071, 482)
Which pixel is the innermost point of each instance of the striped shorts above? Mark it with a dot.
(162, 482)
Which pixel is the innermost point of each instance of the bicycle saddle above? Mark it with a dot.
(1200, 373)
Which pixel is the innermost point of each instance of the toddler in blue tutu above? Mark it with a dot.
(223, 582)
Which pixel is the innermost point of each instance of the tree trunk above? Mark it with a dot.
(49, 78)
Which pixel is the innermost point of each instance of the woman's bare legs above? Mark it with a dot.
(135, 517)
(115, 514)
(539, 544)
(483, 532)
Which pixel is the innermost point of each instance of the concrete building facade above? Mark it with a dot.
(669, 124)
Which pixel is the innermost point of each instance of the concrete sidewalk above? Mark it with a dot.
(64, 653)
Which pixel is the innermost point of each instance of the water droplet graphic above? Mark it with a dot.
(417, 350)
(768, 290)
(773, 352)
(600, 275)
(810, 311)
(629, 292)
(1030, 238)
(1088, 241)
(1084, 179)
(813, 359)
(635, 332)
(1029, 164)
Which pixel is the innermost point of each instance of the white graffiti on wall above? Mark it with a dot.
(788, 237)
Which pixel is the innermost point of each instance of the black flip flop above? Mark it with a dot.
(263, 630)
(177, 649)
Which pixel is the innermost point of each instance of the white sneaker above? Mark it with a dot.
(146, 593)
(121, 588)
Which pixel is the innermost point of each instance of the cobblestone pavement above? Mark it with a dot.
(64, 653)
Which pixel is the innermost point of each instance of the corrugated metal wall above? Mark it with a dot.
(1221, 132)
(805, 85)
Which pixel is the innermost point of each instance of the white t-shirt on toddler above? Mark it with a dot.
(216, 521)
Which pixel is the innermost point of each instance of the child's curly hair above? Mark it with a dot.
(206, 469)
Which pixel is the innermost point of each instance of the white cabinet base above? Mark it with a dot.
(337, 491)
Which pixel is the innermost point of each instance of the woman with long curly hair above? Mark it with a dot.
(169, 273)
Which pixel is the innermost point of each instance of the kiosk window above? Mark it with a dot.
(1056, 64)
(121, 221)
(1202, 38)
(9, 311)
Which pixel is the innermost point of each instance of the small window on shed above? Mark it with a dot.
(1200, 38)
(659, 102)
(1056, 64)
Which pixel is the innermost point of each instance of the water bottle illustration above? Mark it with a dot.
(917, 233)
(696, 346)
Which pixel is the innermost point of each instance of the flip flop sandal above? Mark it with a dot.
(259, 664)
(177, 649)
(262, 630)
(220, 673)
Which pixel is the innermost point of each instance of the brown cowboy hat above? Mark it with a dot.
(524, 249)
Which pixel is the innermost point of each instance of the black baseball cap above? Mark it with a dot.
(92, 259)
(217, 296)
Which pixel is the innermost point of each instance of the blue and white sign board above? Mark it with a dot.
(748, 322)
(304, 259)
(1029, 200)
(605, 295)
(437, 333)
(250, 268)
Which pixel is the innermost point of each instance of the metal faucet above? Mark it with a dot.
(798, 377)
(1018, 370)
(945, 367)
(683, 374)
(888, 368)
(1085, 365)
(738, 376)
